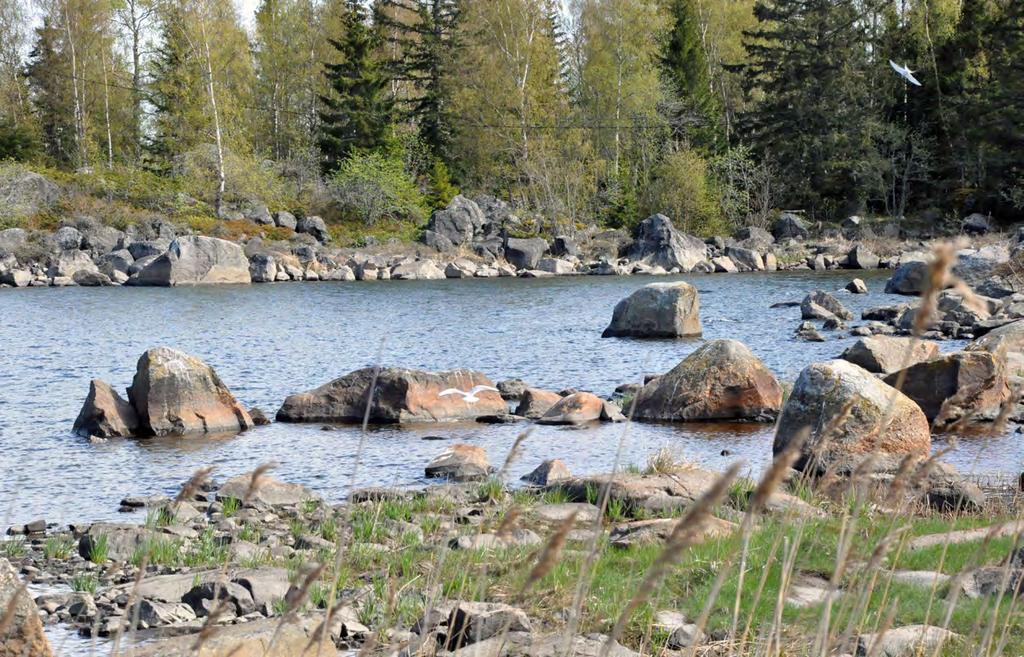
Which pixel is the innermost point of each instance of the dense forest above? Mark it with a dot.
(716, 112)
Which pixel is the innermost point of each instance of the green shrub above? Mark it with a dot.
(371, 186)
(247, 179)
(682, 190)
(442, 191)
(85, 583)
(58, 547)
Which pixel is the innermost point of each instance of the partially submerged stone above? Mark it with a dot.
(176, 394)
(657, 310)
(106, 414)
(534, 402)
(884, 354)
(400, 396)
(460, 463)
(822, 305)
(577, 408)
(722, 380)
(966, 385)
(548, 472)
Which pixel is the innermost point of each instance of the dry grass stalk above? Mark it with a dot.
(685, 533)
(890, 616)
(194, 484)
(209, 625)
(256, 480)
(552, 551)
(508, 522)
(12, 607)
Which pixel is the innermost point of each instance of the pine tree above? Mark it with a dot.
(427, 47)
(358, 111)
(808, 59)
(685, 65)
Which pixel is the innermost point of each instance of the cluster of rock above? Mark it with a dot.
(172, 394)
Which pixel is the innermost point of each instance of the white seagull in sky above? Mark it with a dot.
(905, 73)
(468, 397)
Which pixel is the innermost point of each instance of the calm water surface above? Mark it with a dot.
(268, 341)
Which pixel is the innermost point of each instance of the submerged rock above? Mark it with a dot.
(883, 354)
(460, 463)
(657, 310)
(175, 394)
(577, 408)
(822, 305)
(401, 395)
(106, 414)
(958, 386)
(858, 413)
(722, 380)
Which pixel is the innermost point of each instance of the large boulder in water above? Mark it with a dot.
(577, 408)
(106, 414)
(877, 416)
(21, 633)
(197, 260)
(176, 394)
(822, 305)
(882, 354)
(460, 463)
(658, 243)
(952, 387)
(1006, 342)
(657, 310)
(722, 380)
(400, 396)
(911, 278)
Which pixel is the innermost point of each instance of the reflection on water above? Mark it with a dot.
(267, 341)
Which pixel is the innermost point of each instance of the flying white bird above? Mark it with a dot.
(468, 397)
(905, 73)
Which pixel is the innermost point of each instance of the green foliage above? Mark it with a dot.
(17, 142)
(374, 186)
(682, 190)
(686, 70)
(491, 489)
(442, 191)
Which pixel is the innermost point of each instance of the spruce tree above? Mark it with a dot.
(427, 48)
(48, 76)
(696, 113)
(358, 111)
(816, 121)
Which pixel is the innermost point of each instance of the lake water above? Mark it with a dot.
(267, 341)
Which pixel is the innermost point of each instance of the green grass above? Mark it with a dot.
(13, 548)
(158, 552)
(230, 506)
(58, 547)
(328, 528)
(310, 506)
(249, 533)
(491, 489)
(99, 551)
(85, 582)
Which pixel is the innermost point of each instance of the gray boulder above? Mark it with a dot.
(911, 278)
(905, 641)
(418, 270)
(565, 246)
(460, 463)
(24, 192)
(822, 305)
(263, 268)
(314, 226)
(879, 417)
(146, 248)
(120, 260)
(197, 260)
(659, 243)
(745, 259)
(861, 257)
(976, 224)
(754, 237)
(89, 278)
(461, 222)
(882, 354)
(285, 219)
(525, 253)
(68, 263)
(12, 239)
(68, 238)
(177, 394)
(268, 492)
(437, 241)
(471, 622)
(789, 226)
(657, 310)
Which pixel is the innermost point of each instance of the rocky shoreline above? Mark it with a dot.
(465, 240)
